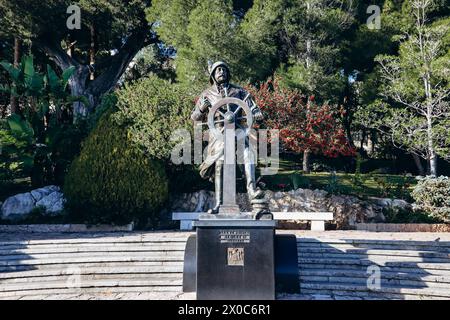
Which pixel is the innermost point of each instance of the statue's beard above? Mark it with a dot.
(221, 80)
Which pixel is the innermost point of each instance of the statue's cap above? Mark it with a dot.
(212, 67)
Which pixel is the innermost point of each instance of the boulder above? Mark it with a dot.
(40, 193)
(53, 203)
(348, 210)
(17, 206)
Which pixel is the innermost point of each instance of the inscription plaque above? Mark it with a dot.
(234, 236)
(235, 256)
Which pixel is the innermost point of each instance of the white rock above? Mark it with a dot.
(17, 206)
(38, 194)
(53, 203)
(398, 203)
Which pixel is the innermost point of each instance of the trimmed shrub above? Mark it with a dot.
(432, 195)
(112, 181)
(153, 109)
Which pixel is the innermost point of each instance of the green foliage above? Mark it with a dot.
(398, 188)
(314, 35)
(31, 19)
(312, 80)
(112, 181)
(397, 215)
(52, 139)
(20, 128)
(107, 104)
(153, 109)
(16, 154)
(357, 178)
(372, 185)
(205, 30)
(416, 86)
(432, 195)
(334, 185)
(149, 61)
(173, 17)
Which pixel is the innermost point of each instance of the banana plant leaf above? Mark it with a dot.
(82, 99)
(13, 72)
(20, 128)
(53, 81)
(27, 66)
(43, 108)
(27, 162)
(5, 88)
(66, 76)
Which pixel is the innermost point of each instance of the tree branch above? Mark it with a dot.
(53, 49)
(119, 62)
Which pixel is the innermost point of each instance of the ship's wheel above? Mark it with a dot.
(229, 110)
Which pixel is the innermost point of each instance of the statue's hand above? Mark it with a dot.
(257, 114)
(205, 104)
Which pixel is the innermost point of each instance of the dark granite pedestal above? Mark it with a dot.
(235, 259)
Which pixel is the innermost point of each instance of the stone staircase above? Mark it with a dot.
(84, 266)
(332, 265)
(346, 268)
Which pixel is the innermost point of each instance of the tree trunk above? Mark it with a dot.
(106, 81)
(92, 53)
(363, 137)
(433, 164)
(419, 165)
(431, 151)
(13, 100)
(306, 155)
(70, 46)
(78, 88)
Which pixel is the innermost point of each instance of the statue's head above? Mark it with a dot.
(219, 73)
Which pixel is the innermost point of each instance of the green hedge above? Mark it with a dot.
(153, 109)
(432, 195)
(112, 181)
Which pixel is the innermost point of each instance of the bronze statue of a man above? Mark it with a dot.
(212, 166)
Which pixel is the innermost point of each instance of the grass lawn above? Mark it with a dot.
(290, 177)
(362, 185)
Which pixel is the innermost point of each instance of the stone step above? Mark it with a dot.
(170, 290)
(93, 277)
(315, 296)
(352, 274)
(363, 290)
(45, 256)
(369, 242)
(349, 247)
(409, 253)
(355, 248)
(112, 270)
(93, 264)
(28, 286)
(386, 283)
(125, 295)
(372, 257)
(70, 239)
(383, 269)
(92, 248)
(379, 262)
(319, 294)
(86, 259)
